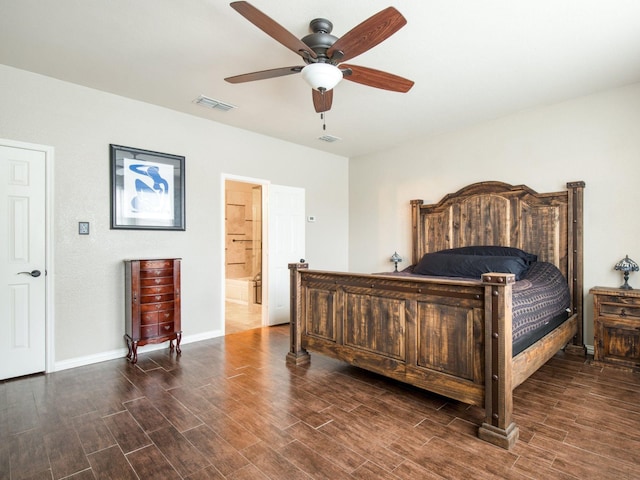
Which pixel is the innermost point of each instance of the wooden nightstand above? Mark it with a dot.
(616, 317)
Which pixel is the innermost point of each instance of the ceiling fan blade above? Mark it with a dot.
(367, 35)
(376, 78)
(322, 100)
(272, 28)
(264, 74)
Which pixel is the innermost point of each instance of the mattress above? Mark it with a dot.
(541, 301)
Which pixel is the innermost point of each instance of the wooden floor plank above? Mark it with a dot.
(148, 462)
(111, 463)
(65, 452)
(228, 429)
(181, 453)
(220, 454)
(128, 434)
(272, 464)
(93, 433)
(28, 454)
(338, 452)
(312, 462)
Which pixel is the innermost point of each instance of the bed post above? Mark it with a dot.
(417, 234)
(575, 229)
(297, 354)
(498, 427)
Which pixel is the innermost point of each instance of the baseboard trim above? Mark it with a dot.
(122, 352)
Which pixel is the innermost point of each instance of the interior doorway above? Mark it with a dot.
(243, 233)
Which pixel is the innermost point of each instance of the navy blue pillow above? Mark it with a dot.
(493, 250)
(470, 266)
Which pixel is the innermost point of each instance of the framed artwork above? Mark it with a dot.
(147, 189)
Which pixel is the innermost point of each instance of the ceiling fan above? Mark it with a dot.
(323, 53)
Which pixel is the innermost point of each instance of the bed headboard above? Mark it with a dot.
(496, 213)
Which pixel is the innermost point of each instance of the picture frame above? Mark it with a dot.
(147, 189)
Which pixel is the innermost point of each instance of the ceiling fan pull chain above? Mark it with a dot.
(324, 124)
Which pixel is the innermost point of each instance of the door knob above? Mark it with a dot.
(33, 273)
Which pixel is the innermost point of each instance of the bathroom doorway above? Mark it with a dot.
(243, 256)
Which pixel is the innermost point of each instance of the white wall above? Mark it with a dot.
(80, 123)
(595, 139)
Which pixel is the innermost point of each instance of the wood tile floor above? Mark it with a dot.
(240, 317)
(230, 408)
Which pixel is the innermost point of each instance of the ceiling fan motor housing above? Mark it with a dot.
(320, 41)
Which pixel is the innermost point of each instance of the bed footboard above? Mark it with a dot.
(451, 337)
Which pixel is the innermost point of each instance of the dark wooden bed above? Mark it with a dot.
(449, 336)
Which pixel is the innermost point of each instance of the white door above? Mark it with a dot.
(286, 229)
(22, 259)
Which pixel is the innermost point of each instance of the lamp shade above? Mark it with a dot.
(395, 258)
(321, 76)
(627, 265)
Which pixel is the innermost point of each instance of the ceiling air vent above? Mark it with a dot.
(213, 104)
(329, 138)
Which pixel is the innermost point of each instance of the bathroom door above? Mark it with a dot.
(286, 234)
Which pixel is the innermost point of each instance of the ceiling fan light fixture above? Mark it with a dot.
(321, 76)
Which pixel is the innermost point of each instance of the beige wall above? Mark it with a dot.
(80, 123)
(595, 139)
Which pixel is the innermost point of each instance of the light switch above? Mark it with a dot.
(83, 228)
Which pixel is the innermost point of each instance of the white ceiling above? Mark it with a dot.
(471, 60)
